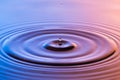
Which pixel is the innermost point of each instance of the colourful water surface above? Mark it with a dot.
(60, 40)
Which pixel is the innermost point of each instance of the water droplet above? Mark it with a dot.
(59, 45)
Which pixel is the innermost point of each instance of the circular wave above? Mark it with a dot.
(60, 52)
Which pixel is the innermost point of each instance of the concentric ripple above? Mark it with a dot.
(59, 52)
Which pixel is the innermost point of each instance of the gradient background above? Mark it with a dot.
(67, 11)
(59, 11)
